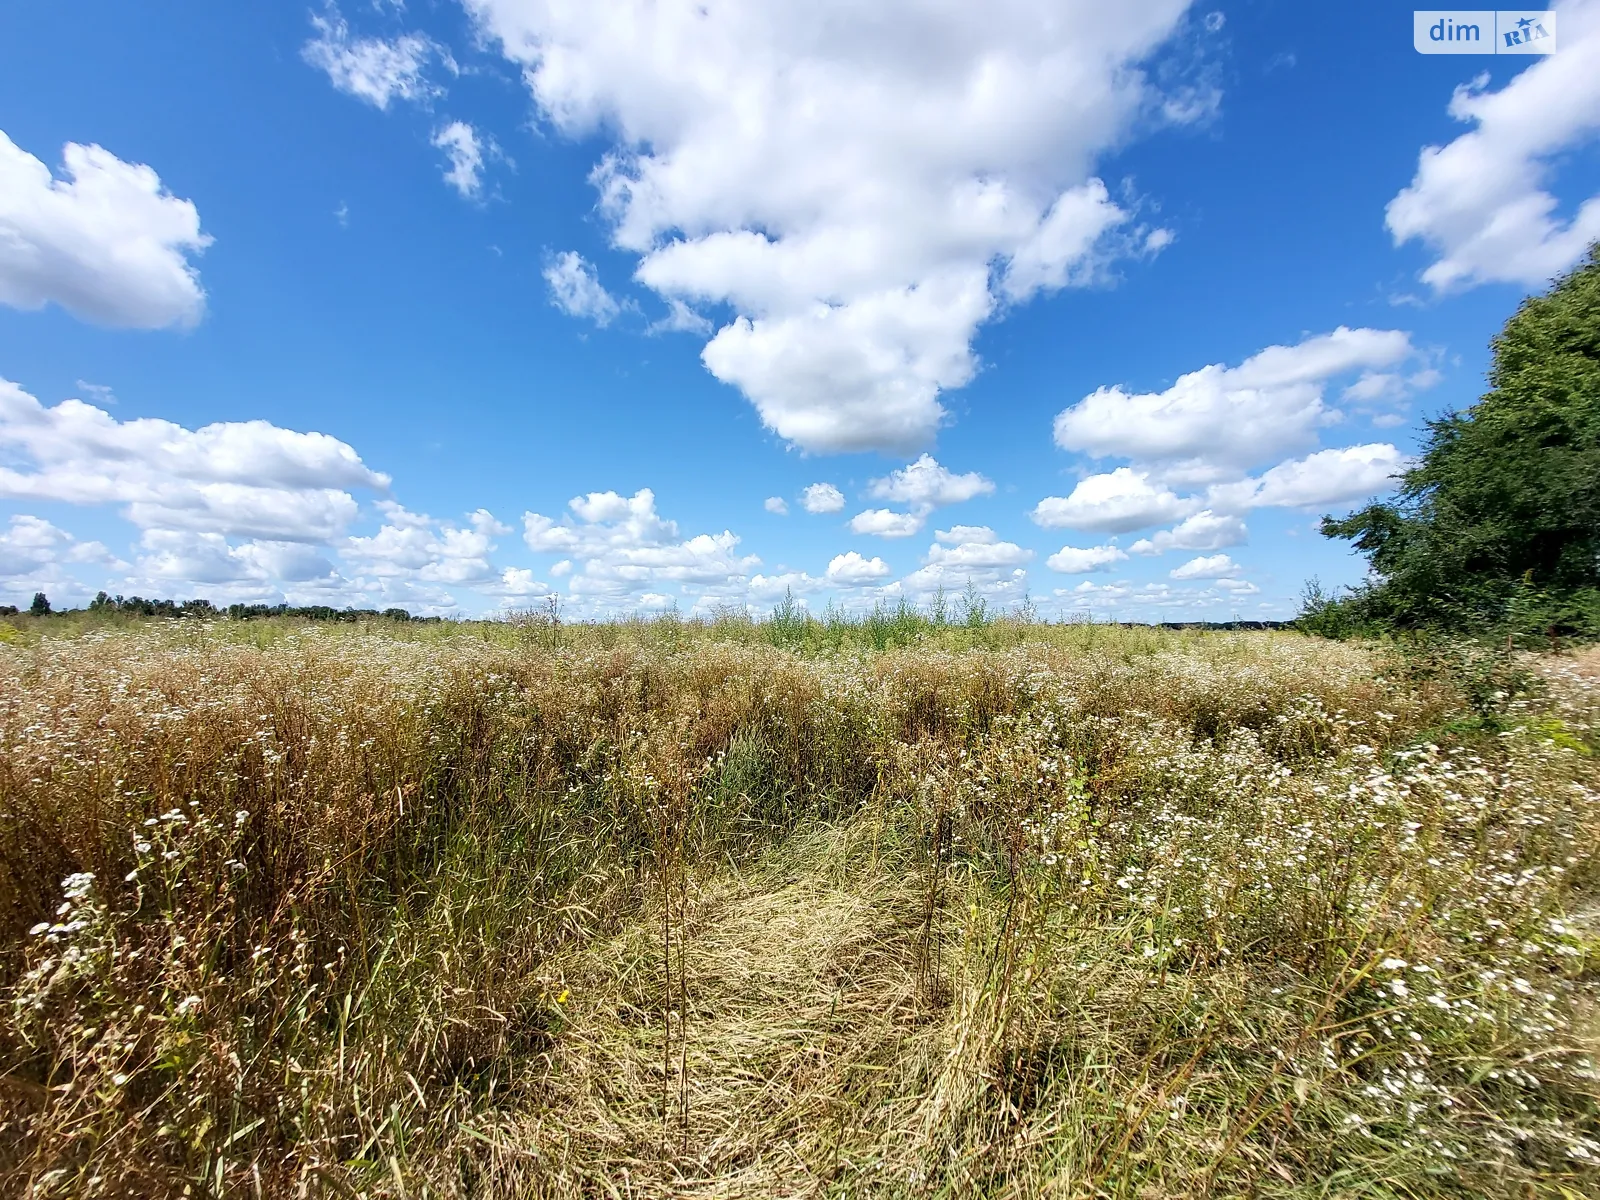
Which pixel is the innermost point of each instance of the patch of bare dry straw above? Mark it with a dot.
(1100, 913)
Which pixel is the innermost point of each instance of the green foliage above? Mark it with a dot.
(1325, 614)
(787, 625)
(1498, 524)
(40, 606)
(1490, 680)
(974, 608)
(311, 612)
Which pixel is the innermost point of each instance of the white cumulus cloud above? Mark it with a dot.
(925, 484)
(1215, 566)
(884, 522)
(972, 554)
(986, 552)
(1482, 204)
(958, 535)
(822, 498)
(34, 555)
(1219, 421)
(247, 478)
(1204, 530)
(851, 570)
(776, 505)
(1071, 560)
(627, 551)
(107, 242)
(767, 588)
(1116, 502)
(1326, 477)
(416, 546)
(844, 177)
(1061, 251)
(184, 561)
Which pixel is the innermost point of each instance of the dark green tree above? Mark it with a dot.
(40, 606)
(1499, 521)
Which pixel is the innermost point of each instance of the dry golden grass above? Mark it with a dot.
(1587, 661)
(293, 912)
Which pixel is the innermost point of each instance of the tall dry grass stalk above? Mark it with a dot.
(305, 912)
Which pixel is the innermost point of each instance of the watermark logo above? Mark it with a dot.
(1484, 31)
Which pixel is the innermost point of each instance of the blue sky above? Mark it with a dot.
(456, 305)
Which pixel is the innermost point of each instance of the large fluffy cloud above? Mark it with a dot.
(29, 543)
(1074, 560)
(1211, 566)
(1115, 502)
(416, 546)
(860, 184)
(1192, 447)
(1324, 478)
(886, 523)
(107, 242)
(1222, 420)
(821, 498)
(246, 479)
(1482, 204)
(1204, 530)
(925, 484)
(34, 555)
(851, 570)
(180, 560)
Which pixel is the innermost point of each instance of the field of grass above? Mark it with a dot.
(668, 909)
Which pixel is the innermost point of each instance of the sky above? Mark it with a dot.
(461, 305)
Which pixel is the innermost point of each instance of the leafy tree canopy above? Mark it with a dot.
(1499, 520)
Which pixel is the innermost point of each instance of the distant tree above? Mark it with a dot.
(40, 606)
(1499, 521)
